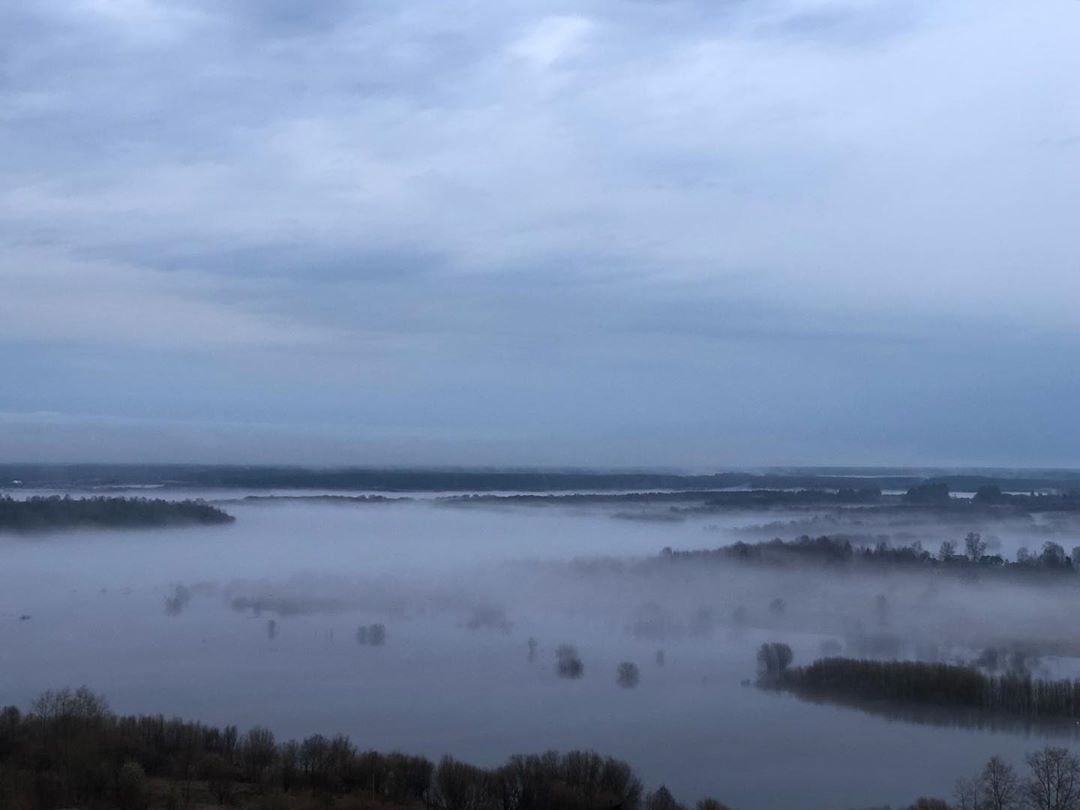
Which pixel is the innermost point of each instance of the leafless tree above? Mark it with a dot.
(1000, 787)
(1054, 783)
(975, 546)
(966, 796)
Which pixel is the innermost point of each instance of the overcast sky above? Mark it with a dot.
(689, 233)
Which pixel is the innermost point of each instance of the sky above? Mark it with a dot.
(613, 233)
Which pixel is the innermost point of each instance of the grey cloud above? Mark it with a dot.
(516, 219)
(863, 25)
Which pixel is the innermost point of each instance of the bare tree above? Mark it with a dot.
(1000, 787)
(258, 751)
(966, 796)
(975, 546)
(1054, 783)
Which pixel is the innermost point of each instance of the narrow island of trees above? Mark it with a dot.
(919, 684)
(54, 513)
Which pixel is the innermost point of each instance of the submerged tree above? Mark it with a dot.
(773, 659)
(627, 675)
(371, 635)
(567, 662)
(882, 610)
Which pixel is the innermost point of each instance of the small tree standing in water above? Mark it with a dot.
(773, 658)
(628, 675)
(567, 662)
(371, 635)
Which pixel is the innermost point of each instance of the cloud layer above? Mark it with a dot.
(602, 232)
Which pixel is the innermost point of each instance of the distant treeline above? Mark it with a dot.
(968, 558)
(480, 480)
(932, 685)
(934, 498)
(1066, 497)
(70, 750)
(705, 499)
(55, 512)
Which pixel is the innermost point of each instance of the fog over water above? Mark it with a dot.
(256, 623)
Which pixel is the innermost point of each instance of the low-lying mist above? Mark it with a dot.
(486, 630)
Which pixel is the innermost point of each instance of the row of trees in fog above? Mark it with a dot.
(45, 513)
(967, 556)
(922, 683)
(71, 750)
